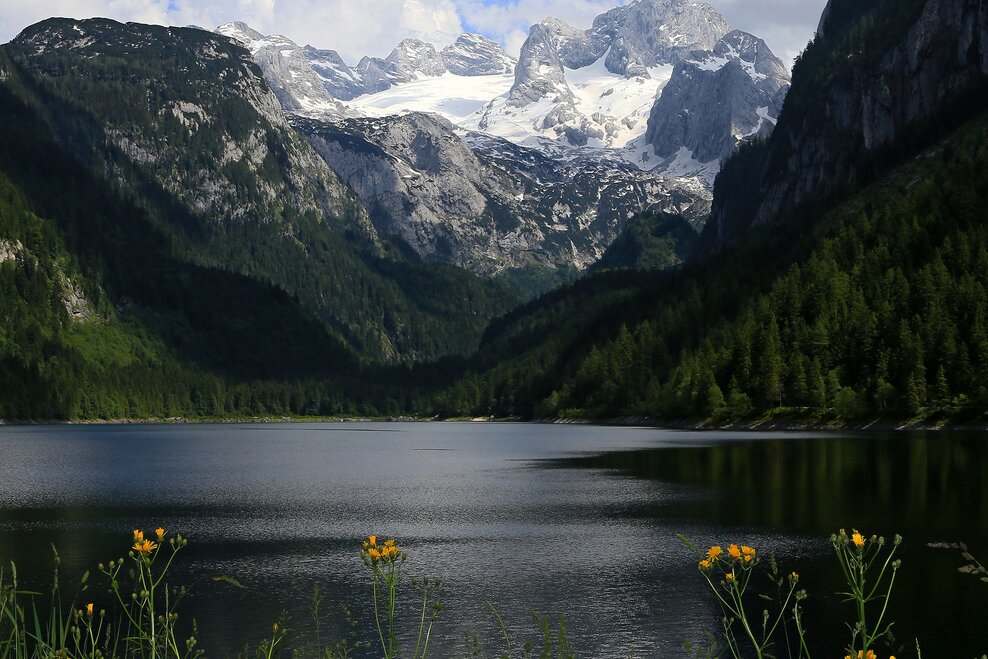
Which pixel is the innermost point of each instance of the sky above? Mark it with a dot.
(372, 27)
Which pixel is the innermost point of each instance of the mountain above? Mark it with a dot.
(301, 70)
(600, 88)
(861, 296)
(486, 204)
(635, 81)
(635, 111)
(102, 320)
(566, 105)
(287, 69)
(714, 100)
(185, 122)
(476, 55)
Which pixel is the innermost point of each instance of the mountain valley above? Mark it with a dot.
(211, 224)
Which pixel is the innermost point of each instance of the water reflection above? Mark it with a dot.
(927, 486)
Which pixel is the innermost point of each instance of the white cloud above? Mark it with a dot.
(373, 28)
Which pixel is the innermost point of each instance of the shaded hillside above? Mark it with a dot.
(99, 319)
(881, 81)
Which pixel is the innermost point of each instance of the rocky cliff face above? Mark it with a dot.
(875, 76)
(539, 73)
(341, 82)
(412, 57)
(476, 55)
(286, 69)
(486, 204)
(646, 33)
(717, 98)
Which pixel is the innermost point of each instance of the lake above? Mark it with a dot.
(570, 520)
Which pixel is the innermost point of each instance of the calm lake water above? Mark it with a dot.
(578, 521)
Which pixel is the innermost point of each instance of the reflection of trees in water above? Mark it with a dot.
(926, 486)
(896, 482)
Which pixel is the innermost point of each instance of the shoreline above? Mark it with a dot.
(779, 423)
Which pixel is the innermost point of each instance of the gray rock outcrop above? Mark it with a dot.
(286, 69)
(412, 57)
(539, 72)
(486, 204)
(337, 77)
(717, 98)
(644, 33)
(476, 55)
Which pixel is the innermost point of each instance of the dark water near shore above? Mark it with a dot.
(566, 520)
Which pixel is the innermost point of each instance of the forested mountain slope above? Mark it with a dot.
(99, 319)
(183, 123)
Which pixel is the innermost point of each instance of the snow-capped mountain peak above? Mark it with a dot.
(286, 70)
(412, 57)
(664, 84)
(242, 32)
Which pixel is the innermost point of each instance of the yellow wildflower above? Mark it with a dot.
(705, 564)
(89, 608)
(729, 576)
(749, 553)
(160, 532)
(145, 547)
(714, 552)
(372, 540)
(374, 553)
(734, 552)
(138, 535)
(857, 539)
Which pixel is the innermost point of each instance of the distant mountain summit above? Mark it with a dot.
(476, 55)
(665, 85)
(469, 55)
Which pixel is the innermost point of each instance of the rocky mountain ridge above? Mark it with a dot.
(303, 68)
(484, 203)
(573, 89)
